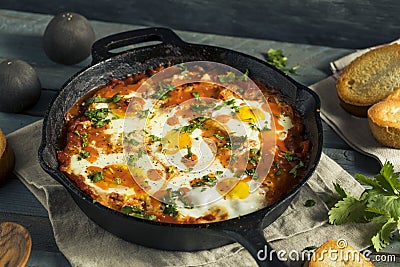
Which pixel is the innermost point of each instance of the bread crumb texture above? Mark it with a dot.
(371, 77)
(337, 253)
(384, 121)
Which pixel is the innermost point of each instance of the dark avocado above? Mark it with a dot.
(19, 86)
(68, 38)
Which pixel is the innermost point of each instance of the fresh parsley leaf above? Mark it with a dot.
(290, 156)
(194, 124)
(219, 137)
(245, 76)
(170, 209)
(379, 205)
(349, 209)
(384, 236)
(154, 138)
(83, 155)
(189, 154)
(296, 167)
(279, 60)
(196, 95)
(98, 99)
(341, 191)
(98, 117)
(309, 203)
(96, 176)
(143, 113)
(228, 77)
(163, 91)
(135, 211)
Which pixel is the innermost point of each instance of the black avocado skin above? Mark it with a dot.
(68, 38)
(19, 86)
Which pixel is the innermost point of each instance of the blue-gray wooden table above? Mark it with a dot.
(21, 38)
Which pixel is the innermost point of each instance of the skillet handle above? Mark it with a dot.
(101, 48)
(253, 240)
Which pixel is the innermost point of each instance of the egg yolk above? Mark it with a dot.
(175, 141)
(231, 188)
(250, 114)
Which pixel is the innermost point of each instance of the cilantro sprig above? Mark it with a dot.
(380, 204)
(276, 58)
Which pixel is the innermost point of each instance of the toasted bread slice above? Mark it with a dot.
(394, 96)
(369, 79)
(335, 254)
(3, 143)
(384, 121)
(6, 159)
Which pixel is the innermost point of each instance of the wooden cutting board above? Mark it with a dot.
(15, 244)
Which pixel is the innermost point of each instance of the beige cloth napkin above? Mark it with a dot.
(354, 130)
(85, 244)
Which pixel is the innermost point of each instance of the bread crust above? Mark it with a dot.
(384, 121)
(394, 96)
(371, 77)
(7, 159)
(2, 143)
(330, 254)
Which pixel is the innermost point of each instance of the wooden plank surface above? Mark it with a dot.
(338, 23)
(24, 31)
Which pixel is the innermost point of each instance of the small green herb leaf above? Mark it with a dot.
(96, 176)
(309, 203)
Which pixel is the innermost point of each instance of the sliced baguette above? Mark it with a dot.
(369, 79)
(384, 121)
(6, 159)
(394, 96)
(330, 254)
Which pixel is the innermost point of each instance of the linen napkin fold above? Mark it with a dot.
(85, 244)
(354, 130)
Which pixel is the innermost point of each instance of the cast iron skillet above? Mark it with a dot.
(248, 229)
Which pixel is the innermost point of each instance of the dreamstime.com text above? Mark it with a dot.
(331, 254)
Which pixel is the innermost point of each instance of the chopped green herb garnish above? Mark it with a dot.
(96, 176)
(233, 159)
(141, 152)
(118, 180)
(200, 107)
(309, 203)
(97, 99)
(143, 113)
(206, 180)
(98, 117)
(253, 126)
(245, 76)
(83, 155)
(194, 124)
(290, 156)
(228, 77)
(196, 95)
(219, 137)
(296, 167)
(219, 172)
(170, 209)
(251, 172)
(163, 91)
(154, 138)
(189, 154)
(278, 172)
(135, 211)
(254, 150)
(279, 60)
(253, 160)
(171, 169)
